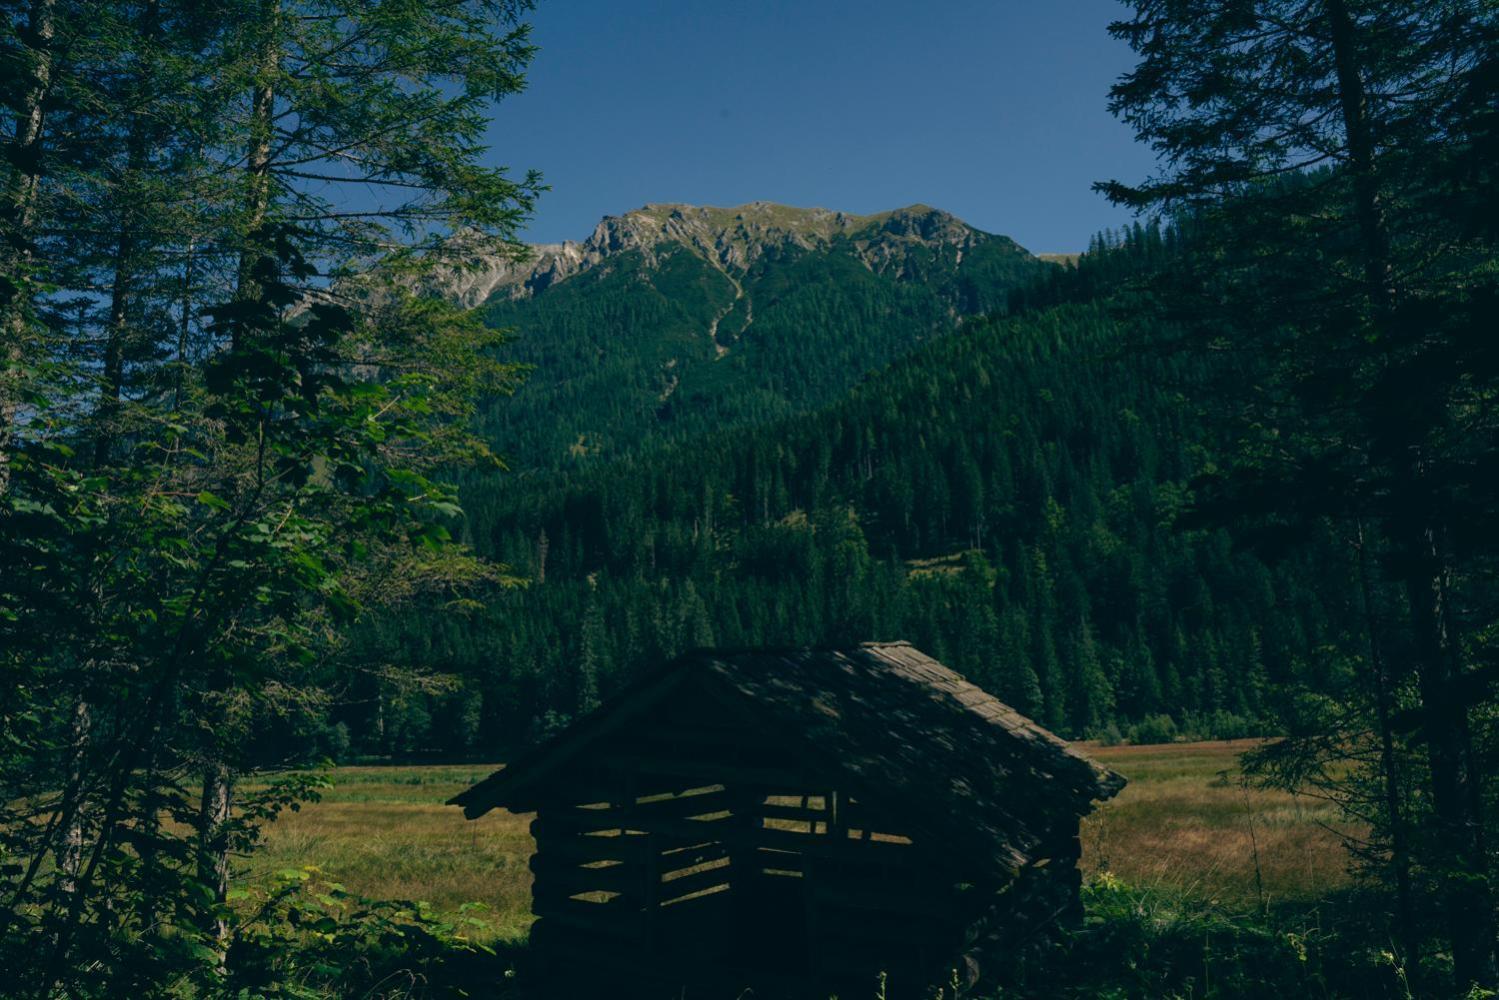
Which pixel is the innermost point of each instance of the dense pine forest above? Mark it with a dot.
(1009, 496)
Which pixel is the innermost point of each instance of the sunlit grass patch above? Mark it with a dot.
(1188, 824)
(1185, 824)
(385, 832)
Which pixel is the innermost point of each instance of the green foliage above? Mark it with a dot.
(303, 937)
(1148, 944)
(633, 352)
(1319, 154)
(214, 458)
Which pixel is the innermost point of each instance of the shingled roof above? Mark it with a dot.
(900, 730)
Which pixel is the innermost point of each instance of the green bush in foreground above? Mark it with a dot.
(303, 937)
(1146, 943)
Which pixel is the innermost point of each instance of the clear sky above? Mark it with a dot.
(991, 109)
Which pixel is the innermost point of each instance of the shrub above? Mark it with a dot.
(303, 936)
(1149, 943)
(1153, 729)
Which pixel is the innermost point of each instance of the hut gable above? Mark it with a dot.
(808, 811)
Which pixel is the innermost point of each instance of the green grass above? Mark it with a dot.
(1183, 826)
(384, 832)
(1186, 825)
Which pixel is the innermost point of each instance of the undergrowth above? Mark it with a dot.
(311, 940)
(1146, 943)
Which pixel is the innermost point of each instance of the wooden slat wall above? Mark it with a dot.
(696, 833)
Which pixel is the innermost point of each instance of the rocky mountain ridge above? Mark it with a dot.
(729, 239)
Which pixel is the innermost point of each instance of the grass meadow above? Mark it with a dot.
(1185, 825)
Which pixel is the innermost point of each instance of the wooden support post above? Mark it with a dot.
(650, 896)
(744, 860)
(809, 898)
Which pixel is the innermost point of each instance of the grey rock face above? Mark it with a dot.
(731, 239)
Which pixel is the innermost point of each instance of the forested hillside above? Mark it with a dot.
(672, 320)
(1007, 497)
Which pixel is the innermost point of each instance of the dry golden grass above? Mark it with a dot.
(1183, 824)
(384, 832)
(1186, 824)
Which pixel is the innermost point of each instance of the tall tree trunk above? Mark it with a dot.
(258, 161)
(70, 854)
(107, 415)
(127, 245)
(213, 844)
(213, 817)
(1389, 761)
(1378, 273)
(1466, 899)
(22, 186)
(184, 323)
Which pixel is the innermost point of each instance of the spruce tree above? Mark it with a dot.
(1303, 141)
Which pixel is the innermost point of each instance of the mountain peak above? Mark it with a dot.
(729, 238)
(774, 216)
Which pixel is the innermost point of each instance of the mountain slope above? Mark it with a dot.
(1006, 497)
(673, 319)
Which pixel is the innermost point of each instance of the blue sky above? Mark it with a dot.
(992, 110)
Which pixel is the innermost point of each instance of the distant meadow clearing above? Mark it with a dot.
(1185, 826)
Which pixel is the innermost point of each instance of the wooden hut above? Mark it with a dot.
(812, 816)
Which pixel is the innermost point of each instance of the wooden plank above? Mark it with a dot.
(708, 770)
(569, 822)
(620, 968)
(703, 789)
(768, 858)
(617, 917)
(742, 848)
(807, 814)
(683, 806)
(813, 911)
(686, 857)
(686, 885)
(569, 879)
(682, 832)
(651, 893)
(581, 850)
(581, 792)
(564, 822)
(823, 845)
(679, 833)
